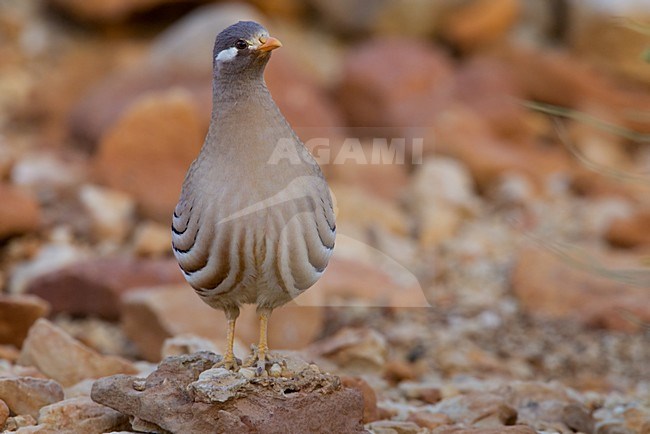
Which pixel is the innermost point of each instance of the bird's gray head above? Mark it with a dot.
(242, 49)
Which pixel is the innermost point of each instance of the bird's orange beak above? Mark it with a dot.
(268, 44)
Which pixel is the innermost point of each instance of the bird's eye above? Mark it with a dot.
(241, 44)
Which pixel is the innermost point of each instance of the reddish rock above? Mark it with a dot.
(149, 149)
(576, 288)
(481, 22)
(632, 231)
(489, 87)
(399, 93)
(26, 395)
(370, 411)
(20, 212)
(176, 398)
(94, 287)
(64, 359)
(150, 316)
(17, 314)
(359, 350)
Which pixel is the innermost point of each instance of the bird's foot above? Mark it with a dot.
(258, 360)
(229, 362)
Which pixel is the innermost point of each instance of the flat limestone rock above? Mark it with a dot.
(185, 394)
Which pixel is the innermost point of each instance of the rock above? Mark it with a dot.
(17, 314)
(187, 344)
(152, 239)
(26, 395)
(441, 197)
(403, 93)
(111, 212)
(396, 427)
(64, 359)
(630, 231)
(517, 429)
(487, 85)
(480, 409)
(615, 45)
(168, 399)
(357, 350)
(20, 212)
(49, 257)
(575, 286)
(48, 172)
(21, 424)
(148, 150)
(4, 413)
(429, 420)
(427, 392)
(481, 23)
(150, 316)
(81, 416)
(370, 411)
(539, 404)
(94, 287)
(112, 11)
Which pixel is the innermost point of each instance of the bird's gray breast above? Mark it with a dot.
(234, 239)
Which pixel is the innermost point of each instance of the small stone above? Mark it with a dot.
(516, 429)
(481, 23)
(631, 231)
(429, 420)
(26, 395)
(19, 421)
(248, 373)
(111, 212)
(275, 370)
(152, 239)
(65, 359)
(81, 416)
(20, 212)
(17, 314)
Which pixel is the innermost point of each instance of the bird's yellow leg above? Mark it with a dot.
(263, 347)
(228, 360)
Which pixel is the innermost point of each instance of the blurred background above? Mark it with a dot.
(512, 243)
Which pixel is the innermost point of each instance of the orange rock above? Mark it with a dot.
(19, 213)
(632, 231)
(4, 412)
(66, 360)
(399, 93)
(370, 411)
(17, 314)
(555, 287)
(148, 151)
(481, 22)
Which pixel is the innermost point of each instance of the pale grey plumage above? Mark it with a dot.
(250, 228)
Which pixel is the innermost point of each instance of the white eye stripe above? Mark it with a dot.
(226, 55)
